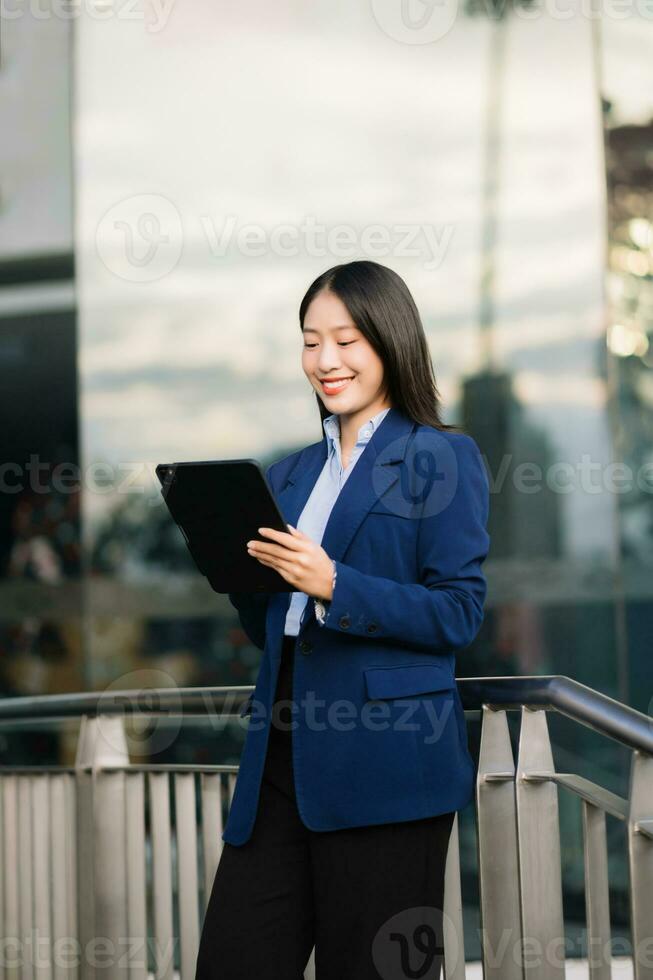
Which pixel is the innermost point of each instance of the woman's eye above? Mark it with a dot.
(341, 343)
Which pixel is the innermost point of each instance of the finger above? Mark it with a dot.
(269, 548)
(297, 532)
(283, 568)
(263, 548)
(284, 563)
(287, 540)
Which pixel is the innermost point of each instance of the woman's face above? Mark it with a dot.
(337, 351)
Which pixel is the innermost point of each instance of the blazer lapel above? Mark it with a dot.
(373, 475)
(300, 481)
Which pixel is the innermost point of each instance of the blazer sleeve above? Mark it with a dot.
(444, 612)
(252, 607)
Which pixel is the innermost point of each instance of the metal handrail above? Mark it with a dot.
(569, 697)
(155, 700)
(549, 691)
(105, 812)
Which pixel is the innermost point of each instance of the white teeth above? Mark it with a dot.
(331, 387)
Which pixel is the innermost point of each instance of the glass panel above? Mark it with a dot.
(266, 170)
(40, 596)
(627, 99)
(627, 112)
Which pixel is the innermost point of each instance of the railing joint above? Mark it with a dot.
(644, 827)
(536, 776)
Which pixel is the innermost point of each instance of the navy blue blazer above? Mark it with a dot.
(379, 732)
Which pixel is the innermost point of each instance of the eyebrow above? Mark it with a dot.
(343, 326)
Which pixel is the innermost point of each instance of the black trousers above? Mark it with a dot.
(368, 898)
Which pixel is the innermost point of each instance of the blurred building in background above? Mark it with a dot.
(159, 225)
(40, 555)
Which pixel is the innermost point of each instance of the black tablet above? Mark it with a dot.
(219, 506)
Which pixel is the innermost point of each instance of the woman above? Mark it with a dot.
(351, 774)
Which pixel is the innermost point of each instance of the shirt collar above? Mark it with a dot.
(331, 426)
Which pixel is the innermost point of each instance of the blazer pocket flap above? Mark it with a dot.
(394, 682)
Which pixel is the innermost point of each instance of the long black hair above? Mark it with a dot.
(380, 304)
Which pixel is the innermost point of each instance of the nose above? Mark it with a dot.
(329, 359)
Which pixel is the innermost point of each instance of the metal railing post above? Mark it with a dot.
(165, 941)
(41, 855)
(84, 831)
(25, 876)
(538, 837)
(102, 849)
(452, 921)
(9, 881)
(498, 865)
(597, 895)
(640, 861)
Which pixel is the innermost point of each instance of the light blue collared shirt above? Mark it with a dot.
(313, 519)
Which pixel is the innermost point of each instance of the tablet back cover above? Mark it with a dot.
(219, 506)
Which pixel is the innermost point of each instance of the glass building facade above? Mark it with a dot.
(160, 224)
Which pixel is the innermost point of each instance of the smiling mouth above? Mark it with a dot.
(333, 386)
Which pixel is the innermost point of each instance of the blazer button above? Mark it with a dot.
(305, 646)
(345, 622)
(372, 627)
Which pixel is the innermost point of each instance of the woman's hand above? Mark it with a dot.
(303, 564)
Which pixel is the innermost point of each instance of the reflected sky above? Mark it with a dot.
(282, 116)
